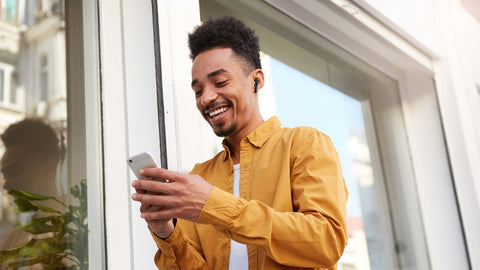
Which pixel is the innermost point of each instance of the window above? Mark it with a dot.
(317, 83)
(43, 78)
(302, 100)
(8, 87)
(45, 188)
(9, 11)
(13, 89)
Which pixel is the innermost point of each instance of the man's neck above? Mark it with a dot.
(235, 139)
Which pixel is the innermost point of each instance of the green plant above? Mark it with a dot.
(59, 237)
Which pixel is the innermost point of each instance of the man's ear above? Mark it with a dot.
(258, 80)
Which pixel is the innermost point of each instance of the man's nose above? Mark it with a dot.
(209, 96)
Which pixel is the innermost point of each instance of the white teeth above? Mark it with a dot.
(217, 111)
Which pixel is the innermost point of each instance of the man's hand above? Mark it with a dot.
(182, 197)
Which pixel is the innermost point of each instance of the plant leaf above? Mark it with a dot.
(83, 198)
(7, 255)
(32, 250)
(46, 208)
(53, 245)
(48, 262)
(22, 206)
(20, 194)
(42, 225)
(63, 234)
(25, 262)
(74, 209)
(75, 190)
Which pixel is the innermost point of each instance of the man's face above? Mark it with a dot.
(16, 167)
(223, 91)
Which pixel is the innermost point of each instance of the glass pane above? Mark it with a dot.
(13, 89)
(43, 217)
(1, 84)
(302, 100)
(11, 10)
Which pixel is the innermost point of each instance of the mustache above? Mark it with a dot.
(216, 104)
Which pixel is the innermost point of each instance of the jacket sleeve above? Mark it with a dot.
(178, 251)
(314, 234)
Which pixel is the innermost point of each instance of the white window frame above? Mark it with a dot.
(130, 125)
(85, 136)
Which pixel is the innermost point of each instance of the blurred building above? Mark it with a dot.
(355, 256)
(32, 60)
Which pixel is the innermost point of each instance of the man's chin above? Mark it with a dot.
(224, 131)
(221, 133)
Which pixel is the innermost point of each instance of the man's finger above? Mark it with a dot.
(157, 200)
(162, 174)
(152, 187)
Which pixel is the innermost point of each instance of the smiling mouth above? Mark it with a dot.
(217, 109)
(216, 112)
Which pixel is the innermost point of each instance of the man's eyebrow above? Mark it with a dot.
(211, 74)
(216, 72)
(194, 82)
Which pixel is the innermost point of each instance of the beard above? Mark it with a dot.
(225, 131)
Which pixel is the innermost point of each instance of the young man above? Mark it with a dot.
(275, 197)
(32, 155)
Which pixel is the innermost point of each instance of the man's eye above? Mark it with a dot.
(221, 84)
(198, 93)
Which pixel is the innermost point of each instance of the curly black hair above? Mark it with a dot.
(35, 134)
(226, 32)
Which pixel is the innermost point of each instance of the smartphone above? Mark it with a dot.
(140, 161)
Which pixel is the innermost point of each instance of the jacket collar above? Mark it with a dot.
(259, 136)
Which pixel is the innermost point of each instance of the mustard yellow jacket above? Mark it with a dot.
(291, 210)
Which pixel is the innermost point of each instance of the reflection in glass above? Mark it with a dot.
(1, 84)
(10, 11)
(43, 78)
(303, 100)
(43, 215)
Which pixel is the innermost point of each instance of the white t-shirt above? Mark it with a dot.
(238, 251)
